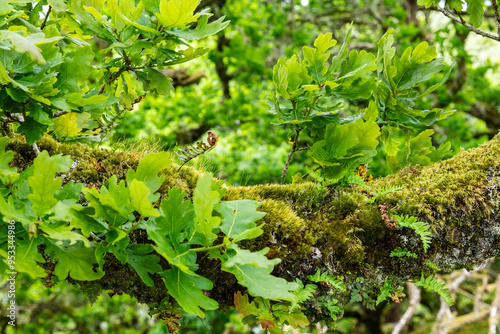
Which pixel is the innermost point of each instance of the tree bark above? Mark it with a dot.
(332, 230)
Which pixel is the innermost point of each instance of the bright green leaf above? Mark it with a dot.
(188, 291)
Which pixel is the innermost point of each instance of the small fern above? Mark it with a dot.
(420, 228)
(432, 266)
(302, 294)
(110, 119)
(385, 291)
(432, 283)
(399, 252)
(335, 282)
(384, 191)
(190, 152)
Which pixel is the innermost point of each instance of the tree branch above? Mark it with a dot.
(339, 232)
(467, 25)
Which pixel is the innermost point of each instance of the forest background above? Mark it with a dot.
(227, 92)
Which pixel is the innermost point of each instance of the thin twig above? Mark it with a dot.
(315, 169)
(294, 148)
(414, 301)
(467, 25)
(497, 15)
(112, 79)
(59, 114)
(46, 18)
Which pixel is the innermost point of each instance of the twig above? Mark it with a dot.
(46, 18)
(35, 149)
(495, 305)
(315, 169)
(59, 114)
(467, 25)
(113, 78)
(497, 15)
(414, 301)
(293, 150)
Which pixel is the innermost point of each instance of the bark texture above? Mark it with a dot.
(336, 230)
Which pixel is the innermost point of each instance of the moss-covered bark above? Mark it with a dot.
(338, 230)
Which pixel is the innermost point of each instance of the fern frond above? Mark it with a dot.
(385, 291)
(335, 282)
(302, 294)
(399, 252)
(432, 283)
(110, 119)
(190, 152)
(384, 191)
(432, 266)
(420, 228)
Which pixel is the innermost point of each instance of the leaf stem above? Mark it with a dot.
(292, 151)
(202, 249)
(315, 169)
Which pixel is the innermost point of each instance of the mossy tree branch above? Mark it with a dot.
(338, 232)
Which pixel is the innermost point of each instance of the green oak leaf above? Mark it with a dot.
(315, 58)
(152, 5)
(139, 194)
(296, 318)
(42, 183)
(147, 172)
(143, 263)
(455, 4)
(82, 219)
(346, 146)
(188, 291)
(27, 254)
(238, 219)
(112, 205)
(32, 130)
(11, 212)
(176, 214)
(428, 3)
(74, 260)
(177, 13)
(158, 82)
(165, 247)
(7, 174)
(339, 58)
(62, 232)
(204, 199)
(253, 270)
(75, 69)
(202, 28)
(476, 10)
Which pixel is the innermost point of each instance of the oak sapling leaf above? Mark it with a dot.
(238, 219)
(148, 170)
(7, 174)
(75, 260)
(204, 200)
(176, 214)
(253, 270)
(143, 263)
(42, 183)
(187, 289)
